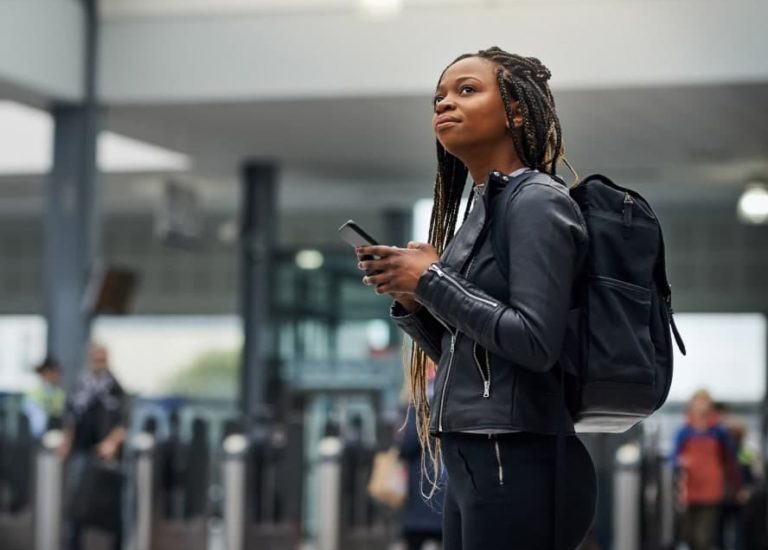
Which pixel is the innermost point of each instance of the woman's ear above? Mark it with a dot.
(517, 115)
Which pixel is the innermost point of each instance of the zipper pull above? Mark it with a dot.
(627, 212)
(453, 343)
(486, 389)
(673, 325)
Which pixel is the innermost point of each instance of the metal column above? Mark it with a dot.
(257, 244)
(627, 488)
(71, 217)
(329, 494)
(398, 227)
(48, 491)
(234, 479)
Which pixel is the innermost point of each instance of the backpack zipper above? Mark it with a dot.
(627, 213)
(455, 283)
(486, 379)
(675, 332)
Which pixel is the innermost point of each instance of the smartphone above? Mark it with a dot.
(354, 235)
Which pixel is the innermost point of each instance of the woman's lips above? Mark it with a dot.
(447, 122)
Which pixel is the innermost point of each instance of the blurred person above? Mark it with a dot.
(503, 427)
(94, 427)
(705, 457)
(44, 403)
(421, 520)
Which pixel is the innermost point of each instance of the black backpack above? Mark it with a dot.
(617, 355)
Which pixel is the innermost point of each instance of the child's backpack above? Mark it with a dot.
(617, 356)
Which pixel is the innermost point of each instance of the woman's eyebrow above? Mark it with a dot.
(458, 80)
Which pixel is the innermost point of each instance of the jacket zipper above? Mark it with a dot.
(455, 283)
(498, 460)
(454, 337)
(485, 376)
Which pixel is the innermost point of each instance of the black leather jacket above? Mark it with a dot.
(495, 339)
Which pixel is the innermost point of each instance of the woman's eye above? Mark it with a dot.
(466, 90)
(437, 99)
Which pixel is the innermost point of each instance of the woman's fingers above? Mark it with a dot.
(375, 279)
(380, 251)
(383, 283)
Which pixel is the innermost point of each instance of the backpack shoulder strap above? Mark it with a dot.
(498, 236)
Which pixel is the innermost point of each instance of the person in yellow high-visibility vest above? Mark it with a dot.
(44, 403)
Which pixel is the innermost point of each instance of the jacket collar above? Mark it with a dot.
(463, 244)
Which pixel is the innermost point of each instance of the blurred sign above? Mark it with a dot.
(179, 220)
(111, 291)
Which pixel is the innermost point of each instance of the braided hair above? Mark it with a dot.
(539, 145)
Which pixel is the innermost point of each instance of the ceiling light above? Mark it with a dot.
(309, 259)
(227, 232)
(753, 204)
(26, 139)
(381, 8)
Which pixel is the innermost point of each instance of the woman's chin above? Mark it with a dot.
(454, 147)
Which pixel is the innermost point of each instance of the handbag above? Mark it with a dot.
(389, 479)
(97, 499)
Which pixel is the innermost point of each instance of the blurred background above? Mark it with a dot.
(172, 175)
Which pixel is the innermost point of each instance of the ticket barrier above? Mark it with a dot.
(17, 452)
(170, 481)
(347, 518)
(262, 475)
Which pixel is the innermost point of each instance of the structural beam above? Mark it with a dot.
(257, 244)
(72, 217)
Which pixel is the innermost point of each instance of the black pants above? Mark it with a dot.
(500, 493)
(700, 524)
(416, 540)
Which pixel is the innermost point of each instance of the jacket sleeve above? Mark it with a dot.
(422, 327)
(546, 247)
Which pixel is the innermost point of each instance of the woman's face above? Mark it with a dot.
(469, 111)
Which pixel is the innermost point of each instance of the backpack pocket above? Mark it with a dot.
(619, 345)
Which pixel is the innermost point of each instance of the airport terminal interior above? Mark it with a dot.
(172, 178)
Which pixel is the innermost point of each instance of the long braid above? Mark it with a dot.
(539, 145)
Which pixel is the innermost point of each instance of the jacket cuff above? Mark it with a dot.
(420, 326)
(409, 321)
(397, 311)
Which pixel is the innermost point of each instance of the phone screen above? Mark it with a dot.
(355, 235)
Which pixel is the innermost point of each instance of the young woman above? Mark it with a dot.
(518, 478)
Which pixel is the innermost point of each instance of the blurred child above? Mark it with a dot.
(707, 465)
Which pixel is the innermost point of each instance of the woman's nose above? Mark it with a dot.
(443, 105)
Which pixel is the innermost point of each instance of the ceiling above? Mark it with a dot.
(710, 136)
(115, 9)
(369, 152)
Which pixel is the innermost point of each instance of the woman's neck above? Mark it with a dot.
(480, 166)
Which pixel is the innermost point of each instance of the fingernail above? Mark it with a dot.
(359, 265)
(365, 280)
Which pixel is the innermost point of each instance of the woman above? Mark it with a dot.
(517, 476)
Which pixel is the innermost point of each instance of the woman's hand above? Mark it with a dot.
(397, 270)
